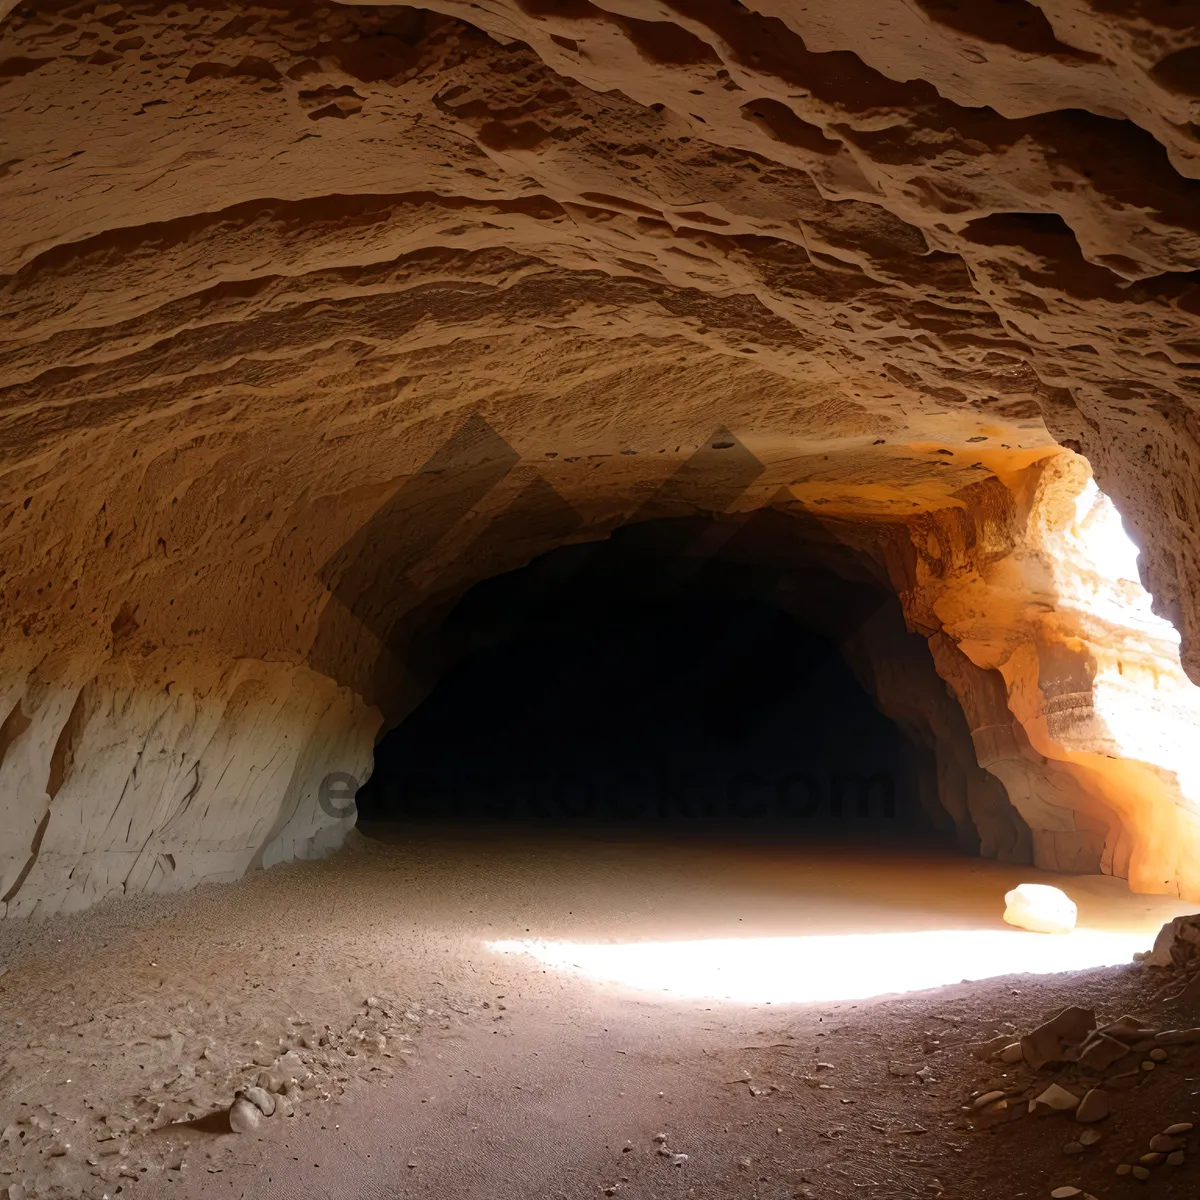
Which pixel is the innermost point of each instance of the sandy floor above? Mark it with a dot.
(520, 1016)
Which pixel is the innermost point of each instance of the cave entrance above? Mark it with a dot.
(684, 676)
(707, 757)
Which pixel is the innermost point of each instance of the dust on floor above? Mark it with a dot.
(417, 1061)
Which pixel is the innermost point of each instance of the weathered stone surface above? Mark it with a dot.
(1059, 1039)
(261, 264)
(1054, 1099)
(1095, 1106)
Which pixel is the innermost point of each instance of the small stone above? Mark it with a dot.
(244, 1117)
(1073, 1148)
(987, 1098)
(1158, 1054)
(290, 1068)
(826, 1067)
(1040, 908)
(679, 1159)
(1054, 1099)
(1180, 1128)
(261, 1099)
(1064, 1193)
(1011, 1054)
(1148, 1065)
(284, 1107)
(1059, 1039)
(1094, 1106)
(1151, 1160)
(995, 1113)
(1100, 1052)
(1089, 1137)
(1176, 1158)
(1164, 1144)
(1124, 1169)
(1141, 1173)
(660, 1138)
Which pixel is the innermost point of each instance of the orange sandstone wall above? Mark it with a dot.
(261, 261)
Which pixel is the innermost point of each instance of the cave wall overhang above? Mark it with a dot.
(265, 261)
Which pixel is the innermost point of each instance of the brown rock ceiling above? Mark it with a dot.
(260, 262)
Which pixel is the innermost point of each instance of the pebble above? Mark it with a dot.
(1141, 1173)
(1179, 1128)
(1158, 1054)
(1094, 1106)
(1063, 1193)
(1073, 1148)
(1089, 1137)
(243, 1116)
(1165, 1144)
(1124, 1169)
(1012, 1053)
(1175, 1159)
(261, 1099)
(1148, 1065)
(1151, 1160)
(986, 1099)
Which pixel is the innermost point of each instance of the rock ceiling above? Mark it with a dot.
(261, 262)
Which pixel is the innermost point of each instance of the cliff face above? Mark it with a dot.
(310, 317)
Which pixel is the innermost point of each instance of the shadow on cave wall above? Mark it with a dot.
(606, 684)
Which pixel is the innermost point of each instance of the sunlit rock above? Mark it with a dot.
(1040, 908)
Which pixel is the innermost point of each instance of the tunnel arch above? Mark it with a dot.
(909, 288)
(746, 577)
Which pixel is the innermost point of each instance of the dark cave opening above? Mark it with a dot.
(623, 683)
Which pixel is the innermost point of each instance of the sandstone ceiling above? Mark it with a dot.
(262, 262)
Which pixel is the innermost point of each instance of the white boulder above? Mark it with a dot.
(1040, 908)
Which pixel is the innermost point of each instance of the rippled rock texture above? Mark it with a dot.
(310, 317)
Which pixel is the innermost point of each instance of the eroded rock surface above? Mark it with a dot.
(310, 317)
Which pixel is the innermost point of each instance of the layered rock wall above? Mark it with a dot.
(263, 263)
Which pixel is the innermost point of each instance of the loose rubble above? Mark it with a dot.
(1093, 1063)
(268, 1079)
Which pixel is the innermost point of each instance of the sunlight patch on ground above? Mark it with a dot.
(855, 966)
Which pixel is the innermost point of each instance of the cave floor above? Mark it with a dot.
(519, 1041)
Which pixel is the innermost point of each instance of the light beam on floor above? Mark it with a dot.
(781, 970)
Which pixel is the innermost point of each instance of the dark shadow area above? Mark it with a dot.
(625, 682)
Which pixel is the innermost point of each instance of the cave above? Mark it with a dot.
(613, 685)
(599, 597)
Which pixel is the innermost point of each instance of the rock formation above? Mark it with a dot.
(313, 316)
